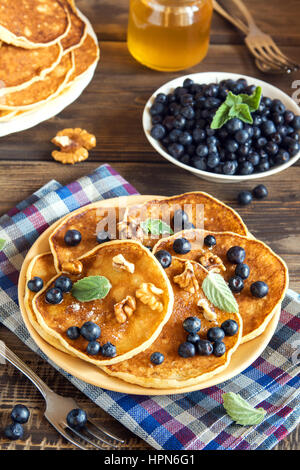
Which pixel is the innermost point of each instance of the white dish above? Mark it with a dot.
(52, 107)
(208, 77)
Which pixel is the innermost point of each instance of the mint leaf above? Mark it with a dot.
(221, 116)
(91, 288)
(240, 411)
(243, 113)
(232, 100)
(156, 227)
(218, 293)
(253, 100)
(2, 243)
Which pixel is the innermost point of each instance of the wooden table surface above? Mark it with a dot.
(111, 108)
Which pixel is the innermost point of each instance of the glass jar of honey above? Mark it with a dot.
(169, 35)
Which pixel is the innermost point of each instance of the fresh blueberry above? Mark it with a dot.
(76, 418)
(158, 131)
(54, 296)
(193, 338)
(108, 350)
(204, 347)
(14, 431)
(176, 150)
(20, 414)
(236, 284)
(229, 168)
(209, 240)
(219, 348)
(185, 138)
(185, 159)
(157, 108)
(234, 125)
(90, 331)
(253, 157)
(260, 191)
(230, 327)
(186, 349)
(271, 148)
(263, 166)
(174, 135)
(242, 270)
(277, 106)
(268, 128)
(244, 198)
(213, 161)
(241, 136)
(161, 98)
(35, 284)
(179, 122)
(198, 135)
(73, 332)
(259, 289)
(186, 99)
(282, 157)
(296, 123)
(231, 145)
(199, 163)
(192, 324)
(246, 168)
(93, 348)
(168, 122)
(72, 237)
(157, 358)
(182, 246)
(63, 283)
(189, 226)
(179, 220)
(288, 116)
(236, 254)
(202, 150)
(260, 142)
(164, 257)
(188, 82)
(103, 236)
(215, 334)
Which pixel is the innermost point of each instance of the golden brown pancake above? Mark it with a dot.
(6, 115)
(85, 56)
(77, 31)
(177, 371)
(130, 334)
(20, 67)
(217, 216)
(41, 91)
(264, 265)
(33, 23)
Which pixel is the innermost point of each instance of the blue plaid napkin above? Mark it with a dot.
(178, 422)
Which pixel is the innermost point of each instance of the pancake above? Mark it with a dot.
(217, 216)
(20, 67)
(264, 265)
(33, 23)
(86, 55)
(131, 330)
(77, 31)
(41, 266)
(7, 115)
(177, 371)
(41, 91)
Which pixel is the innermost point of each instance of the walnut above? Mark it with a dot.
(74, 145)
(72, 267)
(209, 313)
(125, 308)
(211, 262)
(187, 279)
(130, 229)
(120, 263)
(148, 293)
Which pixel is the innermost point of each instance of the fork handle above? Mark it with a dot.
(235, 21)
(247, 15)
(6, 353)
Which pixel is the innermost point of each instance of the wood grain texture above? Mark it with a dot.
(111, 107)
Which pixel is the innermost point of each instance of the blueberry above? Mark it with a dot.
(108, 350)
(192, 324)
(186, 99)
(202, 150)
(271, 148)
(73, 332)
(204, 347)
(263, 166)
(236, 254)
(193, 338)
(198, 134)
(242, 270)
(72, 237)
(230, 327)
(180, 91)
(213, 161)
(199, 163)
(93, 348)
(185, 138)
(241, 136)
(157, 108)
(157, 358)
(277, 138)
(90, 331)
(182, 246)
(35, 284)
(244, 198)
(168, 122)
(209, 240)
(215, 334)
(260, 191)
(236, 284)
(282, 130)
(278, 118)
(256, 132)
(164, 257)
(246, 168)
(188, 82)
(260, 142)
(288, 116)
(219, 348)
(180, 218)
(161, 98)
(54, 296)
(158, 131)
(231, 145)
(186, 349)
(188, 112)
(282, 157)
(234, 125)
(277, 106)
(259, 289)
(76, 418)
(296, 123)
(253, 158)
(63, 283)
(20, 414)
(103, 236)
(230, 168)
(174, 135)
(268, 128)
(14, 431)
(179, 122)
(176, 150)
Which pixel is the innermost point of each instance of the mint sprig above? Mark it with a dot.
(91, 288)
(156, 227)
(218, 293)
(240, 411)
(240, 106)
(2, 243)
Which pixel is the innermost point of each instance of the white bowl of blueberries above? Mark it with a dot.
(178, 120)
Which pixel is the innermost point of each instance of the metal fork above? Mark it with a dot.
(268, 56)
(57, 408)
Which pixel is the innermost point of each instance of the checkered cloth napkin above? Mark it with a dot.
(178, 422)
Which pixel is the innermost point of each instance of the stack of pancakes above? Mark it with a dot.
(155, 324)
(45, 48)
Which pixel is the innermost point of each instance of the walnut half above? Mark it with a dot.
(120, 263)
(187, 279)
(208, 313)
(148, 293)
(211, 262)
(74, 145)
(125, 308)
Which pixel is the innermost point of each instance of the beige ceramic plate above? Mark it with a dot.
(241, 359)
